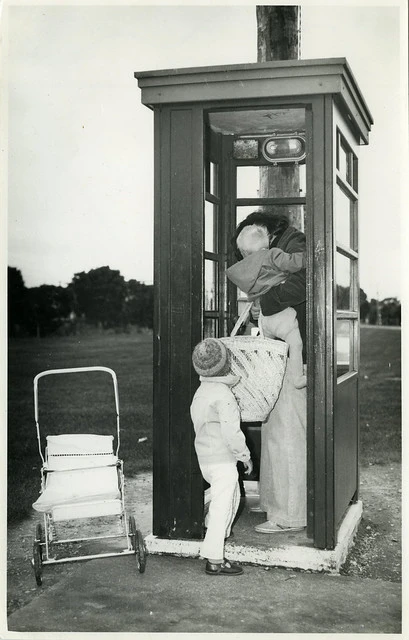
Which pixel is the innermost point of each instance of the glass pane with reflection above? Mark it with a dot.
(344, 338)
(210, 227)
(248, 182)
(292, 181)
(343, 280)
(282, 181)
(342, 217)
(210, 328)
(210, 288)
(343, 162)
(214, 168)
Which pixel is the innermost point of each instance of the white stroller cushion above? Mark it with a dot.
(76, 451)
(78, 486)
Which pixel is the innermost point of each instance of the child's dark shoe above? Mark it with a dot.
(225, 568)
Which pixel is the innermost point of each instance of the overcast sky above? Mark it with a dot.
(80, 161)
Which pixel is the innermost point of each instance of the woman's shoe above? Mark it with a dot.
(273, 527)
(226, 568)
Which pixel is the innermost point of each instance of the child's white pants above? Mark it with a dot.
(224, 502)
(284, 325)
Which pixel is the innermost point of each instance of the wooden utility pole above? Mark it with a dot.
(279, 38)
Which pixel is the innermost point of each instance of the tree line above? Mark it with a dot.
(103, 298)
(99, 298)
(380, 312)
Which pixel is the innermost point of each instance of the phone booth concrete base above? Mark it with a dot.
(215, 130)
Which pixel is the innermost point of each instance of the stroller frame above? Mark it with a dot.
(44, 535)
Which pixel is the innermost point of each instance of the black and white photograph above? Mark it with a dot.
(203, 244)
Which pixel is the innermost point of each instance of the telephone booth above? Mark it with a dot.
(228, 140)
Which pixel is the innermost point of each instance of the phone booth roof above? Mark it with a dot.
(278, 79)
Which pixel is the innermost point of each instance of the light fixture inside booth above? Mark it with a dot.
(284, 148)
(277, 148)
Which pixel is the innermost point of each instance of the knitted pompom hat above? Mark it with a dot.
(211, 358)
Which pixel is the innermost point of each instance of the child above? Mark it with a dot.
(261, 269)
(219, 444)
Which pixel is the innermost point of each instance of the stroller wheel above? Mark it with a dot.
(37, 560)
(141, 552)
(132, 532)
(40, 533)
(137, 544)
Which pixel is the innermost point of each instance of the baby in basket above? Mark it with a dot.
(261, 269)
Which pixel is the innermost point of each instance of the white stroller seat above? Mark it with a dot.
(81, 470)
(76, 451)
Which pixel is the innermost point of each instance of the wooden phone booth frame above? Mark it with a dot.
(334, 107)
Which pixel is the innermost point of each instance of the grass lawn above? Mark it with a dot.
(380, 395)
(85, 402)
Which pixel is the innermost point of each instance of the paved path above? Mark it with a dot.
(174, 595)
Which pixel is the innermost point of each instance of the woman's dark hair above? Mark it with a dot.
(274, 223)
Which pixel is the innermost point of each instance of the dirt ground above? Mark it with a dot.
(376, 553)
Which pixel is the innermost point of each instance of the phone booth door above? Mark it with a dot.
(346, 316)
(241, 177)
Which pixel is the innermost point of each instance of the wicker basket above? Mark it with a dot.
(260, 364)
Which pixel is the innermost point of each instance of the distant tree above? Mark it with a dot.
(343, 297)
(343, 301)
(100, 296)
(17, 303)
(364, 306)
(49, 308)
(139, 304)
(390, 311)
(373, 311)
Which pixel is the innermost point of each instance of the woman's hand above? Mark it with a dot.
(255, 310)
(248, 467)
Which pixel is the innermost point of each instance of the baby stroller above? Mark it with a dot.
(81, 477)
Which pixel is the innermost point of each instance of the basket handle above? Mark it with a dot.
(242, 319)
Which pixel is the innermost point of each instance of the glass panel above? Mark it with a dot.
(343, 162)
(214, 179)
(343, 280)
(344, 341)
(347, 162)
(210, 328)
(245, 149)
(355, 173)
(248, 182)
(302, 174)
(210, 292)
(210, 227)
(243, 212)
(294, 213)
(225, 304)
(280, 181)
(259, 122)
(342, 217)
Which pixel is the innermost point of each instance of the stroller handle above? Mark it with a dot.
(75, 370)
